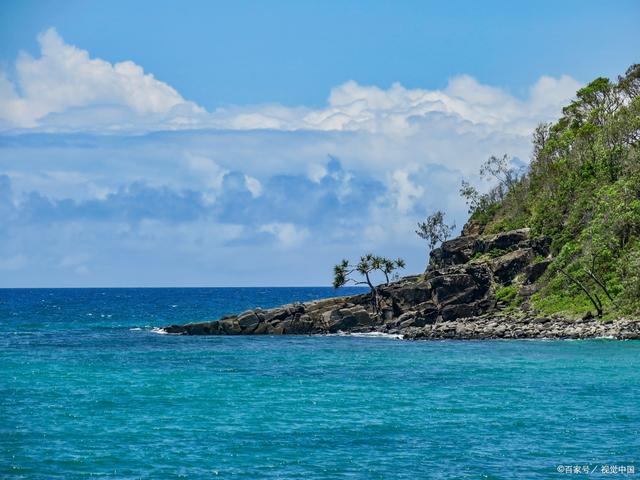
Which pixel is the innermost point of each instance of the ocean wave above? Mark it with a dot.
(395, 336)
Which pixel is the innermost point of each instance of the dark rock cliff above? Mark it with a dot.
(454, 298)
(452, 287)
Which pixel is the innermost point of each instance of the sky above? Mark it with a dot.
(259, 143)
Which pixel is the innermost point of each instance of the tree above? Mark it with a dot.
(494, 168)
(434, 230)
(593, 297)
(344, 271)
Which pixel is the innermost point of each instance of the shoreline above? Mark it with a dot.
(347, 316)
(461, 295)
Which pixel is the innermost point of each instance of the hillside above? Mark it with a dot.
(582, 192)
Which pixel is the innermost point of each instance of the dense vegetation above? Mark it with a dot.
(582, 189)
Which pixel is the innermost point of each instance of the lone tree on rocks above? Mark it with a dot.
(434, 230)
(344, 272)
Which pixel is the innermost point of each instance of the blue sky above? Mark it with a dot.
(258, 143)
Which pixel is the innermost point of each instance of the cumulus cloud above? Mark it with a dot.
(65, 79)
(240, 191)
(64, 89)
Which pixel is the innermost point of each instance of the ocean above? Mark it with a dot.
(88, 390)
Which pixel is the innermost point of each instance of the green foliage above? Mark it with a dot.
(507, 294)
(497, 252)
(559, 302)
(483, 206)
(434, 230)
(628, 276)
(583, 190)
(344, 271)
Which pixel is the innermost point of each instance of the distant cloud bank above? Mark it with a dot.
(129, 182)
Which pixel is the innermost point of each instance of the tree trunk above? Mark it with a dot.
(598, 304)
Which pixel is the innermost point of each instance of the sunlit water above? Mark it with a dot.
(87, 390)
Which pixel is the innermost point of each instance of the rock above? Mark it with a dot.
(362, 317)
(472, 228)
(203, 328)
(261, 329)
(453, 299)
(502, 241)
(465, 284)
(462, 310)
(405, 296)
(506, 267)
(453, 252)
(534, 271)
(344, 324)
(230, 327)
(426, 313)
(248, 320)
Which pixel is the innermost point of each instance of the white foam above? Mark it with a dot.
(159, 331)
(395, 336)
(135, 329)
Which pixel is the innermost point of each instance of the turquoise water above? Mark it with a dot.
(87, 390)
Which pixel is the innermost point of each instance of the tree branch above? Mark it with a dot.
(598, 305)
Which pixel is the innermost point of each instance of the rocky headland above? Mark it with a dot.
(455, 298)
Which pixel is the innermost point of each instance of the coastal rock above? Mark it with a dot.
(472, 228)
(454, 298)
(502, 241)
(485, 328)
(453, 252)
(460, 284)
(506, 267)
(535, 270)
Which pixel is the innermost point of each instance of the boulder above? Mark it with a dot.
(346, 319)
(472, 228)
(453, 252)
(535, 270)
(502, 241)
(248, 320)
(461, 310)
(405, 296)
(506, 267)
(465, 284)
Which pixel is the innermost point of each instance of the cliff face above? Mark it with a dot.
(454, 298)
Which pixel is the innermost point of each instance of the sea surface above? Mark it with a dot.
(87, 390)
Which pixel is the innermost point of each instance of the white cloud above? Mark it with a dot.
(65, 77)
(253, 185)
(287, 234)
(403, 191)
(209, 173)
(316, 172)
(402, 153)
(76, 262)
(66, 90)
